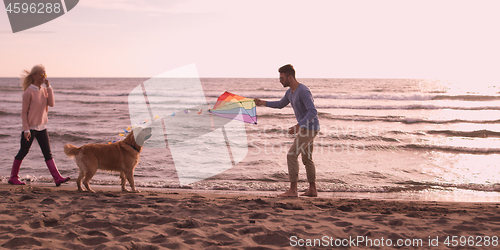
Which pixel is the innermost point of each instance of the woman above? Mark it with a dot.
(36, 102)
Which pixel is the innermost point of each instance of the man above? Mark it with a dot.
(307, 127)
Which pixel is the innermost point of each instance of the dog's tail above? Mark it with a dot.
(70, 150)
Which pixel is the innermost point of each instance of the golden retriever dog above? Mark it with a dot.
(121, 156)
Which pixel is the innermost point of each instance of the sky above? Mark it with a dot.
(233, 38)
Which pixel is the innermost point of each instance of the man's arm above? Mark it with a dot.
(278, 104)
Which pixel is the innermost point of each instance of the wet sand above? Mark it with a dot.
(44, 217)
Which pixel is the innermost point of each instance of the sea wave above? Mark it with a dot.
(409, 97)
(478, 133)
(89, 93)
(415, 185)
(361, 135)
(101, 102)
(357, 148)
(5, 113)
(467, 97)
(452, 149)
(278, 116)
(414, 97)
(11, 101)
(279, 94)
(400, 119)
(326, 185)
(57, 114)
(74, 137)
(394, 97)
(271, 183)
(271, 90)
(407, 107)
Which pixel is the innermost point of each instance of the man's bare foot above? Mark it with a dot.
(289, 193)
(310, 193)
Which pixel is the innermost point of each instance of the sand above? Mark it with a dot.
(46, 217)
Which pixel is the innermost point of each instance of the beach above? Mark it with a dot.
(47, 217)
(401, 163)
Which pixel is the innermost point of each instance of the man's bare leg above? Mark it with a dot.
(312, 191)
(292, 192)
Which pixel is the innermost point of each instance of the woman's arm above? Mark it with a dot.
(51, 101)
(24, 113)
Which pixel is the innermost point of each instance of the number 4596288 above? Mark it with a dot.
(33, 8)
(477, 241)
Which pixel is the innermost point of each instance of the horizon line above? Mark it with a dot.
(229, 77)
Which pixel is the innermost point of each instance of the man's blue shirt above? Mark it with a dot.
(303, 106)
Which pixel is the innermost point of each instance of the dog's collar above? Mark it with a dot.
(134, 147)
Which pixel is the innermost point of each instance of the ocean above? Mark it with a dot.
(377, 135)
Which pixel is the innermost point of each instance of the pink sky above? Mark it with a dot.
(331, 39)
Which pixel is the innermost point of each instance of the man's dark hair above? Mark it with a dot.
(287, 70)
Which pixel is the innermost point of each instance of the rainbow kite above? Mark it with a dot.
(236, 107)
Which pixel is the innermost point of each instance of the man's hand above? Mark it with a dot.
(294, 129)
(47, 83)
(259, 102)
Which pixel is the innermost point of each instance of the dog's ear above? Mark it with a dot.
(148, 133)
(137, 136)
(141, 135)
(130, 138)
